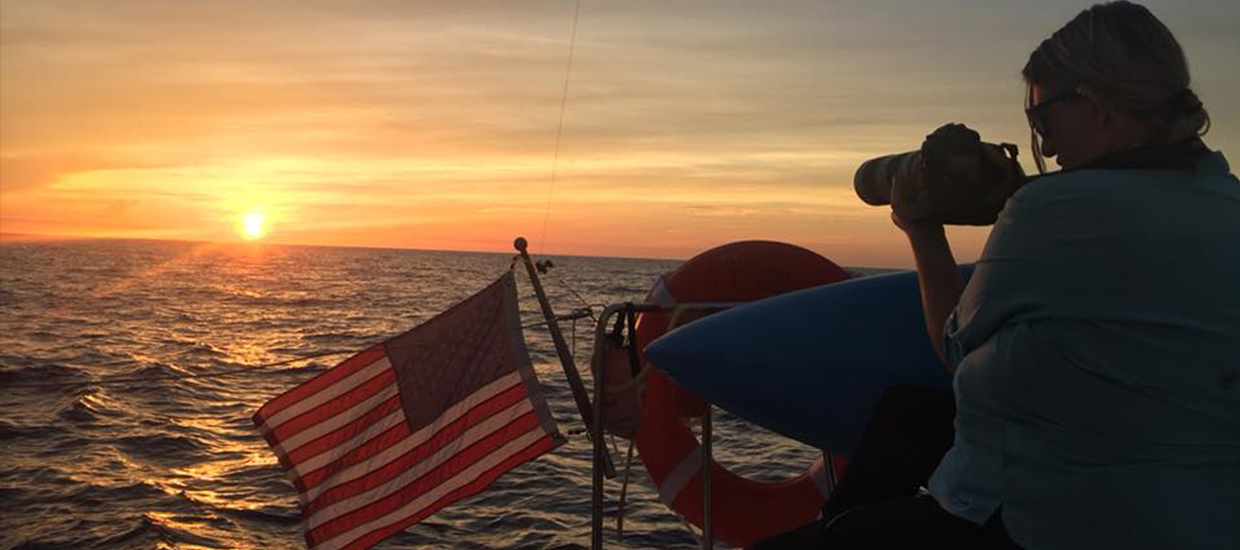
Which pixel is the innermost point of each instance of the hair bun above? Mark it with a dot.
(1185, 101)
(1181, 116)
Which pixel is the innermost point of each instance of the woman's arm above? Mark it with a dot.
(938, 277)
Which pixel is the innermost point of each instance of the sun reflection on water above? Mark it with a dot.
(164, 460)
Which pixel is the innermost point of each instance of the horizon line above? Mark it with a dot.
(12, 237)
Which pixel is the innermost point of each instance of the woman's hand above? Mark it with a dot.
(908, 207)
(920, 205)
(915, 228)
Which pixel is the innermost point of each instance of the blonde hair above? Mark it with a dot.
(1125, 53)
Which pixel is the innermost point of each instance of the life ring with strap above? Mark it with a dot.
(744, 511)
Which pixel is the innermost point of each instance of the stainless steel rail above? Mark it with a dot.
(600, 448)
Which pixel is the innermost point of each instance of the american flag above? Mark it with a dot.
(404, 428)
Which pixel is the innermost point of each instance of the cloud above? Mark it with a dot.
(358, 113)
(17, 173)
(20, 172)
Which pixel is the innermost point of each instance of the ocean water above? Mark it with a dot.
(111, 438)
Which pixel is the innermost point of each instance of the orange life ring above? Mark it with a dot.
(743, 511)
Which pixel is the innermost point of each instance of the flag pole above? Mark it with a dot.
(566, 357)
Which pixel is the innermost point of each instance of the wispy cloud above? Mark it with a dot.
(402, 122)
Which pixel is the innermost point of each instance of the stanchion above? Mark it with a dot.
(598, 460)
(600, 447)
(566, 357)
(708, 459)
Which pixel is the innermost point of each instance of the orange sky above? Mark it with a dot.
(429, 125)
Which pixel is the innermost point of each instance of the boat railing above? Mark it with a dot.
(602, 457)
(592, 411)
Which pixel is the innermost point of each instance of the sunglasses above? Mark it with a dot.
(1037, 114)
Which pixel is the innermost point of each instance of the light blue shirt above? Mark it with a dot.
(1098, 353)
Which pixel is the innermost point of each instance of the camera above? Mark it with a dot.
(955, 178)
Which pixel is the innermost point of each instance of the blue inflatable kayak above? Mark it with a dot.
(810, 364)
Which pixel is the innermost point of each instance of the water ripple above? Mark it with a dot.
(122, 452)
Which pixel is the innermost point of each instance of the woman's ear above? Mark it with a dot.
(1124, 130)
(1100, 112)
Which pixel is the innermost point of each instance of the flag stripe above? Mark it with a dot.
(465, 482)
(350, 409)
(379, 450)
(384, 433)
(323, 380)
(340, 387)
(324, 468)
(365, 482)
(376, 420)
(357, 432)
(333, 408)
(344, 515)
(540, 446)
(404, 428)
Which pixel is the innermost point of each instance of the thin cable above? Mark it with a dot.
(559, 132)
(589, 308)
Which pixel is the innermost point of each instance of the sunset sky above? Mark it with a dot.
(433, 124)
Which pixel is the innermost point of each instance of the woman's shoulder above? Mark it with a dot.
(1084, 180)
(1068, 189)
(1212, 172)
(1207, 198)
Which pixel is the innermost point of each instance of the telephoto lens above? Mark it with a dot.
(949, 180)
(874, 178)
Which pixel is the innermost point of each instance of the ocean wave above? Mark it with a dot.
(10, 363)
(10, 431)
(151, 530)
(269, 514)
(316, 365)
(96, 493)
(146, 447)
(196, 348)
(44, 375)
(89, 407)
(163, 448)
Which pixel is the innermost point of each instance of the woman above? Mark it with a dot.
(1096, 349)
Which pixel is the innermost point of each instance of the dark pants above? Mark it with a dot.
(876, 505)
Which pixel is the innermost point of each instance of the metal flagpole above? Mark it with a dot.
(566, 357)
(708, 460)
(599, 454)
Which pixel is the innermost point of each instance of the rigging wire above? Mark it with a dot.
(559, 132)
(586, 305)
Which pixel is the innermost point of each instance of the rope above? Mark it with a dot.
(624, 490)
(559, 132)
(689, 527)
(641, 375)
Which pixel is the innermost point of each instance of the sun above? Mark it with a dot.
(252, 225)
